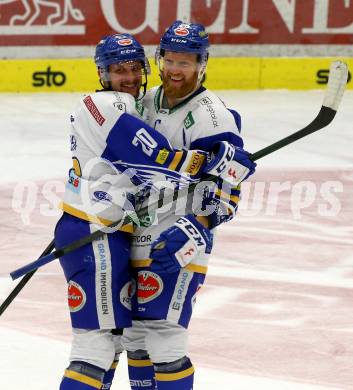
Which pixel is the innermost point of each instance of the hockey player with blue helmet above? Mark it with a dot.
(170, 254)
(113, 151)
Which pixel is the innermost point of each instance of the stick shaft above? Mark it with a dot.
(23, 281)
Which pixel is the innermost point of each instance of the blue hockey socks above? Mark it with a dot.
(82, 376)
(109, 376)
(141, 371)
(178, 375)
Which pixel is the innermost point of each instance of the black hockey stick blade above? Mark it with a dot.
(336, 85)
(324, 118)
(23, 281)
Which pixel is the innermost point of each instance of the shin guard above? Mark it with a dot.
(82, 376)
(141, 371)
(109, 376)
(178, 375)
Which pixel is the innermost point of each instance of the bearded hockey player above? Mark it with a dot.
(170, 254)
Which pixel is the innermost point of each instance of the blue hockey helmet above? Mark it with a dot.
(119, 48)
(186, 38)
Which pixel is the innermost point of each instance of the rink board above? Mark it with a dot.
(71, 75)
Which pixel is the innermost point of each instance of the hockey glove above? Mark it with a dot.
(180, 244)
(230, 163)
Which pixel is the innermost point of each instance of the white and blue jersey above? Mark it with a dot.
(196, 123)
(108, 138)
(113, 151)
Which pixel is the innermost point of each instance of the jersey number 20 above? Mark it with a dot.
(144, 139)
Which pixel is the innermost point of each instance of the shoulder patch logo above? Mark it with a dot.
(92, 108)
(204, 101)
(189, 120)
(120, 106)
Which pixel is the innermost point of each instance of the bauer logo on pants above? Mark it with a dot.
(149, 286)
(76, 296)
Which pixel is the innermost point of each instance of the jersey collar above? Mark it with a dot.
(159, 97)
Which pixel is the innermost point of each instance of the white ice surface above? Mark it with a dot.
(21, 375)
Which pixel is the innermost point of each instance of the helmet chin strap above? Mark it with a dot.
(144, 86)
(104, 79)
(107, 86)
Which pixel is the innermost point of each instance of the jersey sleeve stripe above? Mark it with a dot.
(176, 160)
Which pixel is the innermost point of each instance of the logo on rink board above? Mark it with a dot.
(322, 76)
(149, 286)
(48, 78)
(76, 296)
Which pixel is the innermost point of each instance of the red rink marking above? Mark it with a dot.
(291, 329)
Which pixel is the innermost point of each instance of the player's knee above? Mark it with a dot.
(117, 336)
(82, 376)
(94, 346)
(167, 344)
(109, 375)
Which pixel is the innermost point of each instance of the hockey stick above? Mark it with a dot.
(336, 85)
(23, 281)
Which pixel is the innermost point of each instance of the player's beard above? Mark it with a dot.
(178, 92)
